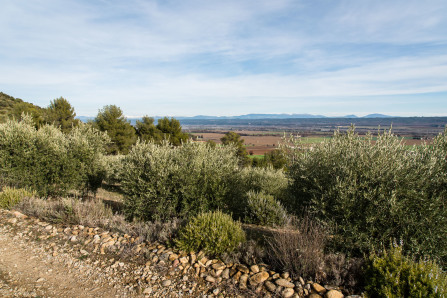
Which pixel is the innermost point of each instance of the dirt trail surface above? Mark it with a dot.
(29, 269)
(38, 259)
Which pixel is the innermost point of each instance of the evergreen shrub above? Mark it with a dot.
(264, 210)
(213, 232)
(371, 191)
(48, 161)
(394, 275)
(9, 197)
(162, 182)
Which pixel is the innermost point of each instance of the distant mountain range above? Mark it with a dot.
(251, 116)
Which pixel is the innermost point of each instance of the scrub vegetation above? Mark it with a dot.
(328, 208)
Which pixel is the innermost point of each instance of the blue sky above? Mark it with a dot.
(185, 58)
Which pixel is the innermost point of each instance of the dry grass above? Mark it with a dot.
(300, 250)
(94, 213)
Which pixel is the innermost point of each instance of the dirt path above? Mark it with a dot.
(28, 270)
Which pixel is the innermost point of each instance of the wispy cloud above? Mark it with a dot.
(218, 57)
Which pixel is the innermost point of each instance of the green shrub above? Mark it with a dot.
(161, 181)
(372, 191)
(394, 275)
(48, 161)
(264, 210)
(261, 180)
(9, 197)
(213, 232)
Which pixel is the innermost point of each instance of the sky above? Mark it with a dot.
(232, 57)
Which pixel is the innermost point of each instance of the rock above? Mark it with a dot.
(254, 268)
(318, 288)
(333, 294)
(83, 252)
(147, 291)
(302, 281)
(166, 283)
(19, 215)
(173, 257)
(184, 260)
(288, 292)
(284, 283)
(259, 278)
(270, 286)
(219, 266)
(243, 281)
(216, 291)
(209, 278)
(285, 275)
(226, 273)
(242, 268)
(40, 279)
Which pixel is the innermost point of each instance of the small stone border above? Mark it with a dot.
(215, 274)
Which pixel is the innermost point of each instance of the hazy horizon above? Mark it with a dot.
(228, 58)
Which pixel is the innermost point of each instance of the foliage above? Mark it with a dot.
(161, 181)
(172, 131)
(48, 161)
(114, 168)
(394, 275)
(61, 114)
(275, 158)
(373, 191)
(264, 210)
(9, 197)
(232, 138)
(213, 232)
(165, 130)
(146, 130)
(110, 119)
(87, 149)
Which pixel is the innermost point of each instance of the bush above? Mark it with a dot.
(299, 249)
(264, 210)
(161, 182)
(394, 275)
(371, 191)
(213, 232)
(9, 197)
(260, 180)
(48, 161)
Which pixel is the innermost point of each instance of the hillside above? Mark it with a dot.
(11, 106)
(7, 104)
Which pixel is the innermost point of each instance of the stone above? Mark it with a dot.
(301, 281)
(184, 260)
(209, 278)
(147, 291)
(259, 278)
(284, 283)
(270, 286)
(242, 268)
(19, 215)
(166, 283)
(313, 295)
(219, 266)
(333, 294)
(83, 252)
(243, 281)
(254, 268)
(288, 292)
(173, 257)
(226, 273)
(216, 291)
(285, 275)
(318, 288)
